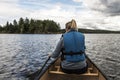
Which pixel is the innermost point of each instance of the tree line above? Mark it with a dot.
(30, 26)
(26, 26)
(92, 31)
(97, 31)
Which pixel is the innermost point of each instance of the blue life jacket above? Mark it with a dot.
(74, 44)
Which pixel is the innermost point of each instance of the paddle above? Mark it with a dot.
(36, 75)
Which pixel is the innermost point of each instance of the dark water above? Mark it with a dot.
(22, 54)
(104, 50)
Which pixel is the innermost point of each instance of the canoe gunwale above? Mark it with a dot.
(100, 72)
(97, 67)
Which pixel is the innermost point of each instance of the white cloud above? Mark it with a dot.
(107, 7)
(9, 11)
(57, 14)
(87, 18)
(102, 15)
(77, 0)
(90, 14)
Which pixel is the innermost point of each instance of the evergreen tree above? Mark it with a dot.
(30, 26)
(7, 27)
(26, 26)
(1, 29)
(16, 27)
(11, 28)
(21, 25)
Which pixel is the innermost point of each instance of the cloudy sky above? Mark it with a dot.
(91, 14)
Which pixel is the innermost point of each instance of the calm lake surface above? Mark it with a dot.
(23, 54)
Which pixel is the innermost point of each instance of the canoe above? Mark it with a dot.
(54, 73)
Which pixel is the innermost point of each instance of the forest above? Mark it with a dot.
(32, 26)
(26, 26)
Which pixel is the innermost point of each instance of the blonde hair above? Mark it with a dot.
(71, 25)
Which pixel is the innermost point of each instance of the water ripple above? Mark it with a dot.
(23, 54)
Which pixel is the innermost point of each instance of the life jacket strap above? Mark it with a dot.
(73, 53)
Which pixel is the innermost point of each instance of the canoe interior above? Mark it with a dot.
(55, 73)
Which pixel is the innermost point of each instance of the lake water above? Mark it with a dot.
(23, 54)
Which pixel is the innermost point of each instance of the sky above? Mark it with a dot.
(89, 14)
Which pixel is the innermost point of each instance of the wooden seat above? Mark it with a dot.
(88, 73)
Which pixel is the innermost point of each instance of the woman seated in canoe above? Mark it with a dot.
(72, 46)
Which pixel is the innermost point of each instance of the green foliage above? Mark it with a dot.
(0, 28)
(25, 26)
(30, 26)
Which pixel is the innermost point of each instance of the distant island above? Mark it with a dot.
(93, 31)
(97, 31)
(31, 26)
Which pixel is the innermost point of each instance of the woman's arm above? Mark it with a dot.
(58, 48)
